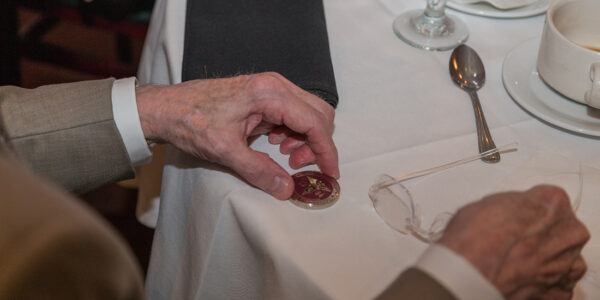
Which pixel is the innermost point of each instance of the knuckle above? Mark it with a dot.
(584, 233)
(319, 104)
(553, 195)
(265, 82)
(324, 117)
(329, 112)
(547, 190)
(581, 268)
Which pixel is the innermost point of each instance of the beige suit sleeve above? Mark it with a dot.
(66, 133)
(52, 247)
(416, 284)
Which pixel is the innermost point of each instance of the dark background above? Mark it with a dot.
(56, 43)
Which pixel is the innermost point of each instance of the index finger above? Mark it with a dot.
(281, 102)
(325, 151)
(303, 118)
(317, 129)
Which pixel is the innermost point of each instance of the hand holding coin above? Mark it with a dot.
(214, 119)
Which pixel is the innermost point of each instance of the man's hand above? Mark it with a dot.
(214, 119)
(527, 244)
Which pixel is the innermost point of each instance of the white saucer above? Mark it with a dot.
(525, 86)
(487, 10)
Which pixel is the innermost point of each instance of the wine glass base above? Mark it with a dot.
(433, 34)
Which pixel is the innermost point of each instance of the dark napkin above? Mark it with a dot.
(232, 37)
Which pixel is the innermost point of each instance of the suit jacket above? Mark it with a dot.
(66, 133)
(51, 246)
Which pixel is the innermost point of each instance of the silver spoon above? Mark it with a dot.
(467, 71)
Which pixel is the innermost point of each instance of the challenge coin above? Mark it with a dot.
(314, 190)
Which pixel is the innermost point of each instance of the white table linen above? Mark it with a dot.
(217, 237)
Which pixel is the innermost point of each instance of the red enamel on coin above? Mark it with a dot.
(314, 190)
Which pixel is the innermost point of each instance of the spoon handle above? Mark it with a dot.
(483, 132)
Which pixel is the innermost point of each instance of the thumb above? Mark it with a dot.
(263, 172)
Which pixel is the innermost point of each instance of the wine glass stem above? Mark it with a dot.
(435, 8)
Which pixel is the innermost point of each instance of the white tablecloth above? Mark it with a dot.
(218, 238)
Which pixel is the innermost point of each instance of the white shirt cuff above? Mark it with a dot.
(127, 119)
(456, 274)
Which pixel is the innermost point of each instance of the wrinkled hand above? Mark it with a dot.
(214, 120)
(527, 244)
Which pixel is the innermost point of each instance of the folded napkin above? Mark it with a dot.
(233, 37)
(501, 4)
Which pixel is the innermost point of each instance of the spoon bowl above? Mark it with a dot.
(468, 72)
(466, 68)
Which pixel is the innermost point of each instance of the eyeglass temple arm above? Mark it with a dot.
(505, 148)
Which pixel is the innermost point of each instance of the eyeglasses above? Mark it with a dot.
(394, 203)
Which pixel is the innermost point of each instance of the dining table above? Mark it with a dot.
(217, 237)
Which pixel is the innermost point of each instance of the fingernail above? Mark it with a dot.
(279, 187)
(276, 138)
(335, 174)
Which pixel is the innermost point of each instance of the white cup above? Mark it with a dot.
(569, 54)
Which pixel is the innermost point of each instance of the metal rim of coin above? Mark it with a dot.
(314, 190)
